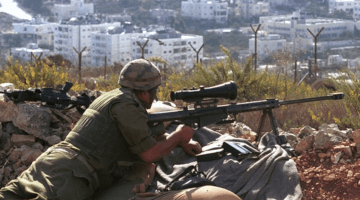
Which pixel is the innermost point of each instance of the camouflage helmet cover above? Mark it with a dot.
(140, 74)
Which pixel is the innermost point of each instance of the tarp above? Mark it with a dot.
(270, 175)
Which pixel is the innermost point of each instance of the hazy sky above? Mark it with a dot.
(10, 7)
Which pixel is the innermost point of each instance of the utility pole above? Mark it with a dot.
(295, 74)
(37, 59)
(142, 47)
(105, 67)
(315, 53)
(197, 52)
(255, 54)
(79, 54)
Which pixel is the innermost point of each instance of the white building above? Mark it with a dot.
(205, 9)
(30, 52)
(119, 46)
(356, 12)
(344, 5)
(37, 30)
(114, 45)
(252, 8)
(353, 63)
(76, 34)
(294, 26)
(336, 60)
(76, 8)
(266, 44)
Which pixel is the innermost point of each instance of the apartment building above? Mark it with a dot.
(296, 25)
(75, 34)
(344, 5)
(36, 31)
(120, 46)
(266, 44)
(76, 8)
(252, 8)
(30, 52)
(356, 12)
(113, 45)
(205, 9)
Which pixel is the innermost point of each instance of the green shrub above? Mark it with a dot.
(36, 76)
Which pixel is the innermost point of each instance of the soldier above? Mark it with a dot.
(112, 130)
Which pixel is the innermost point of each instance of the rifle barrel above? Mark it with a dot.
(333, 96)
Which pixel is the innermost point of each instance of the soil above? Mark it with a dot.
(322, 179)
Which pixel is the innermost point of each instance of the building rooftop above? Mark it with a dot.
(85, 20)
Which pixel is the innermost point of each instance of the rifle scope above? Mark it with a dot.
(226, 90)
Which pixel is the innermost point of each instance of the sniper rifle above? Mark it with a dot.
(205, 111)
(59, 100)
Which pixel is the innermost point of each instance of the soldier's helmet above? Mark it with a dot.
(140, 74)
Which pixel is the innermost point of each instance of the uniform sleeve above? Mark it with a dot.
(132, 121)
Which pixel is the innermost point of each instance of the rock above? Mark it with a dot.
(336, 158)
(291, 138)
(334, 140)
(20, 140)
(37, 146)
(15, 155)
(7, 171)
(294, 130)
(321, 140)
(240, 129)
(30, 156)
(357, 175)
(305, 131)
(24, 149)
(6, 86)
(330, 177)
(54, 119)
(322, 155)
(5, 142)
(54, 139)
(356, 136)
(11, 128)
(2, 175)
(8, 111)
(34, 120)
(20, 169)
(329, 128)
(305, 144)
(57, 131)
(345, 149)
(348, 133)
(302, 177)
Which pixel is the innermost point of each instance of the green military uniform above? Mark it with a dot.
(84, 163)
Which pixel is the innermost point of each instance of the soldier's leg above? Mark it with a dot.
(54, 175)
(200, 193)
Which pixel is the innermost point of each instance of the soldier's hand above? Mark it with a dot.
(192, 148)
(185, 133)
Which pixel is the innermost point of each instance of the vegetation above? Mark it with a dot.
(252, 85)
(36, 76)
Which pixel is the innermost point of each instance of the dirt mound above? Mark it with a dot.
(322, 179)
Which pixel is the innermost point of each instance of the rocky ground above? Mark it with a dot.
(327, 158)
